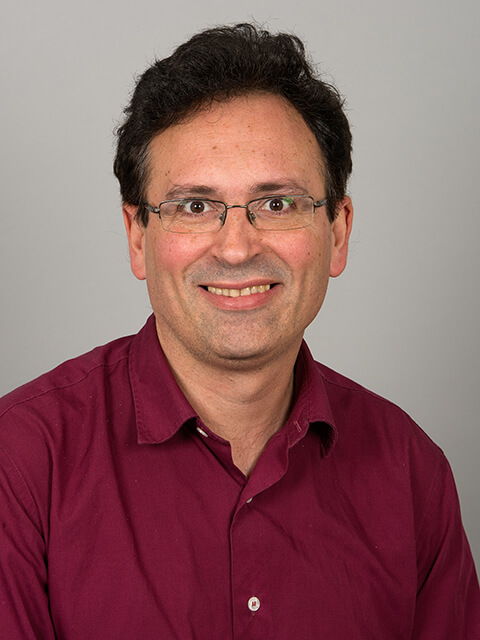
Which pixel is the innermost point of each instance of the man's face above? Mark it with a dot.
(235, 151)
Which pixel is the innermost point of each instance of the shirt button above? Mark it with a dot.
(254, 604)
(202, 432)
(249, 500)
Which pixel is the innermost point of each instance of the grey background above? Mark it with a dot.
(403, 319)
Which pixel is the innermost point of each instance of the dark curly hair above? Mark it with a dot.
(218, 64)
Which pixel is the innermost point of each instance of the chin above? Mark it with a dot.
(239, 354)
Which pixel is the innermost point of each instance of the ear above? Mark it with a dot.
(136, 240)
(341, 228)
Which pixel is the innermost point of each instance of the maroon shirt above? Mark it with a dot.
(123, 516)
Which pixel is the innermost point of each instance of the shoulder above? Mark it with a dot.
(49, 423)
(374, 425)
(381, 449)
(70, 377)
(33, 418)
(343, 387)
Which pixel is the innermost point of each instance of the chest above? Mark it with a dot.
(163, 541)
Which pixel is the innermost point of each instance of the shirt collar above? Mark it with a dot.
(311, 406)
(161, 409)
(160, 406)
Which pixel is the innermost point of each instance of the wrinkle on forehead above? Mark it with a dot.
(229, 133)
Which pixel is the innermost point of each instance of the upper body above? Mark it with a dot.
(126, 517)
(233, 163)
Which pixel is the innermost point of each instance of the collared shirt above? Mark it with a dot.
(124, 517)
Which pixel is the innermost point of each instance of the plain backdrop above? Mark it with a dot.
(403, 320)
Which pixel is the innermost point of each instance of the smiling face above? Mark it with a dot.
(237, 296)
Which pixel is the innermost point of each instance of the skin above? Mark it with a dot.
(235, 356)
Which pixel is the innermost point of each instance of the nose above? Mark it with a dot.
(238, 240)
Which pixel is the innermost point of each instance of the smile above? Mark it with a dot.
(235, 293)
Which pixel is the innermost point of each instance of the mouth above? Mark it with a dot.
(237, 293)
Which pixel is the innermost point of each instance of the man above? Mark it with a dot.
(206, 478)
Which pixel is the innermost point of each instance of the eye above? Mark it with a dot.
(279, 204)
(276, 204)
(194, 207)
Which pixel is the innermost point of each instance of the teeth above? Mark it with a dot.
(235, 293)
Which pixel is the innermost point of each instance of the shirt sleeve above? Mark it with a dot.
(448, 596)
(24, 608)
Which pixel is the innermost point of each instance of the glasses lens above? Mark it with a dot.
(191, 215)
(282, 212)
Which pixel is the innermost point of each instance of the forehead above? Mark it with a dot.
(256, 138)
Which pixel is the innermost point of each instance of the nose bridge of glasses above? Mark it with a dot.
(250, 215)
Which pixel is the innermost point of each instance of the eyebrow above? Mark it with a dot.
(285, 186)
(187, 190)
(262, 188)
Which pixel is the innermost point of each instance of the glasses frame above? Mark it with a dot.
(250, 215)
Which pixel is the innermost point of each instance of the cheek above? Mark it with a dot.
(169, 255)
(310, 260)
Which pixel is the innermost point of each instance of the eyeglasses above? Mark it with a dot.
(271, 213)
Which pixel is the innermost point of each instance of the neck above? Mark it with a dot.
(243, 405)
